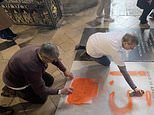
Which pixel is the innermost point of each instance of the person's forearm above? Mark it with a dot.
(59, 65)
(127, 77)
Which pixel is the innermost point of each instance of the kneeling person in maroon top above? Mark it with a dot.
(26, 75)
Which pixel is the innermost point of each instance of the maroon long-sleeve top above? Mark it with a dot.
(25, 67)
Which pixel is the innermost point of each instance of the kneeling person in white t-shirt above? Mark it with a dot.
(102, 46)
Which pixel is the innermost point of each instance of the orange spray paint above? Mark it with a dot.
(84, 90)
(117, 110)
(148, 98)
(111, 82)
(131, 73)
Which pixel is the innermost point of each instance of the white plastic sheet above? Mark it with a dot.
(113, 96)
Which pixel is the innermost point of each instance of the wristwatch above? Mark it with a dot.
(59, 92)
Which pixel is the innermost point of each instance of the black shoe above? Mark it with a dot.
(84, 56)
(7, 34)
(8, 37)
(79, 47)
(6, 110)
(9, 31)
(7, 92)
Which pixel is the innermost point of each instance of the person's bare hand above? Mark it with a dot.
(137, 93)
(66, 91)
(69, 75)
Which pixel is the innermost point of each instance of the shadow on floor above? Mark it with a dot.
(22, 108)
(6, 44)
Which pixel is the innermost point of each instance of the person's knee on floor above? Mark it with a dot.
(112, 44)
(103, 61)
(106, 63)
(29, 95)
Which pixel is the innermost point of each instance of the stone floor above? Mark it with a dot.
(66, 37)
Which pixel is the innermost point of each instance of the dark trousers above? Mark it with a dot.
(6, 110)
(28, 94)
(147, 9)
(104, 60)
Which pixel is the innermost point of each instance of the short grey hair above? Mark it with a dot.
(130, 37)
(50, 50)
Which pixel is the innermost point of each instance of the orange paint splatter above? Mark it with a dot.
(148, 98)
(111, 82)
(84, 90)
(131, 73)
(117, 110)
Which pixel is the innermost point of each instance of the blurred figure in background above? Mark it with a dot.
(5, 23)
(147, 6)
(102, 11)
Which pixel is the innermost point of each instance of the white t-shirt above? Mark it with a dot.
(106, 44)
